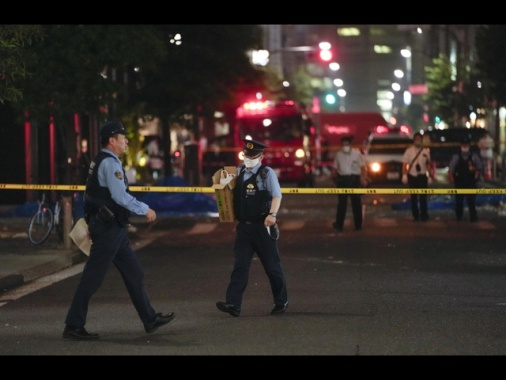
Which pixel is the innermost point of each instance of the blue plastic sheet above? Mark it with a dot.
(445, 201)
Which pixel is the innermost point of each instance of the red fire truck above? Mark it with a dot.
(287, 130)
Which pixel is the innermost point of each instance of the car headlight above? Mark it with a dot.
(375, 167)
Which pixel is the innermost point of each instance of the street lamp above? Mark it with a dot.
(406, 53)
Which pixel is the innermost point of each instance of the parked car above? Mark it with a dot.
(443, 143)
(383, 155)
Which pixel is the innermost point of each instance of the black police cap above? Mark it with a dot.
(111, 128)
(253, 148)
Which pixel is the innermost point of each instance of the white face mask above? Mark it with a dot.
(251, 163)
(346, 149)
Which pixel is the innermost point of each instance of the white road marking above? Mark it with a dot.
(39, 283)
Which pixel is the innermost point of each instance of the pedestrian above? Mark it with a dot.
(465, 170)
(417, 169)
(257, 198)
(107, 206)
(350, 171)
(486, 146)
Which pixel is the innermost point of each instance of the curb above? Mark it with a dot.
(66, 259)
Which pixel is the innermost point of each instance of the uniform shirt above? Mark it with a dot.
(110, 174)
(423, 159)
(349, 163)
(271, 181)
(465, 156)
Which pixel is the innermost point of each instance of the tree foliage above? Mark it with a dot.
(15, 57)
(440, 86)
(84, 68)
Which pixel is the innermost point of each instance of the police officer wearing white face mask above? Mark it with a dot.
(257, 198)
(350, 171)
(464, 171)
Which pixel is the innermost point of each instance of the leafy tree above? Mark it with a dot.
(15, 57)
(126, 72)
(440, 85)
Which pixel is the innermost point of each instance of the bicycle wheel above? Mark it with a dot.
(40, 225)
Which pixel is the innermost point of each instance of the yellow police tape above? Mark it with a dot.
(320, 190)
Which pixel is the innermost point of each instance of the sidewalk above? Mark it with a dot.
(22, 262)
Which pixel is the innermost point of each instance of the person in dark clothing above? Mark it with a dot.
(257, 198)
(107, 207)
(465, 170)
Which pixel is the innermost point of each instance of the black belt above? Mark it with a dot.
(251, 222)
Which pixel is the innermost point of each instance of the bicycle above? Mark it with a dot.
(44, 220)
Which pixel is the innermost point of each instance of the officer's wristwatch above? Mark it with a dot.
(274, 214)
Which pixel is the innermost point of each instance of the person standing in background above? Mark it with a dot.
(416, 170)
(465, 170)
(350, 172)
(486, 146)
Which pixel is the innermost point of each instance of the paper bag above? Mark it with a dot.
(79, 235)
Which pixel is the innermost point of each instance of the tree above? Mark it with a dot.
(440, 85)
(15, 57)
(126, 72)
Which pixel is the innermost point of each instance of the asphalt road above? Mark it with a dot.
(395, 288)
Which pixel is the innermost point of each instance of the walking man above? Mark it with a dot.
(107, 207)
(257, 198)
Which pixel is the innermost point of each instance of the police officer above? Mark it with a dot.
(350, 171)
(464, 171)
(257, 198)
(416, 165)
(107, 207)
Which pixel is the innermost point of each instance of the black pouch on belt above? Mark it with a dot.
(105, 215)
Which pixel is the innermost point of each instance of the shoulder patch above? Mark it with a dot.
(118, 174)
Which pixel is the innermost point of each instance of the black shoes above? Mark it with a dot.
(228, 308)
(336, 227)
(78, 333)
(160, 320)
(278, 309)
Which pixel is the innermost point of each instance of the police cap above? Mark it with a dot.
(111, 128)
(465, 141)
(253, 148)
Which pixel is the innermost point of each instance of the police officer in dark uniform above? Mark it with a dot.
(107, 207)
(257, 198)
(464, 171)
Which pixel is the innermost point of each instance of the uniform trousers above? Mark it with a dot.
(110, 244)
(419, 201)
(251, 238)
(470, 199)
(349, 181)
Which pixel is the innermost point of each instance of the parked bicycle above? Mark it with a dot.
(47, 217)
